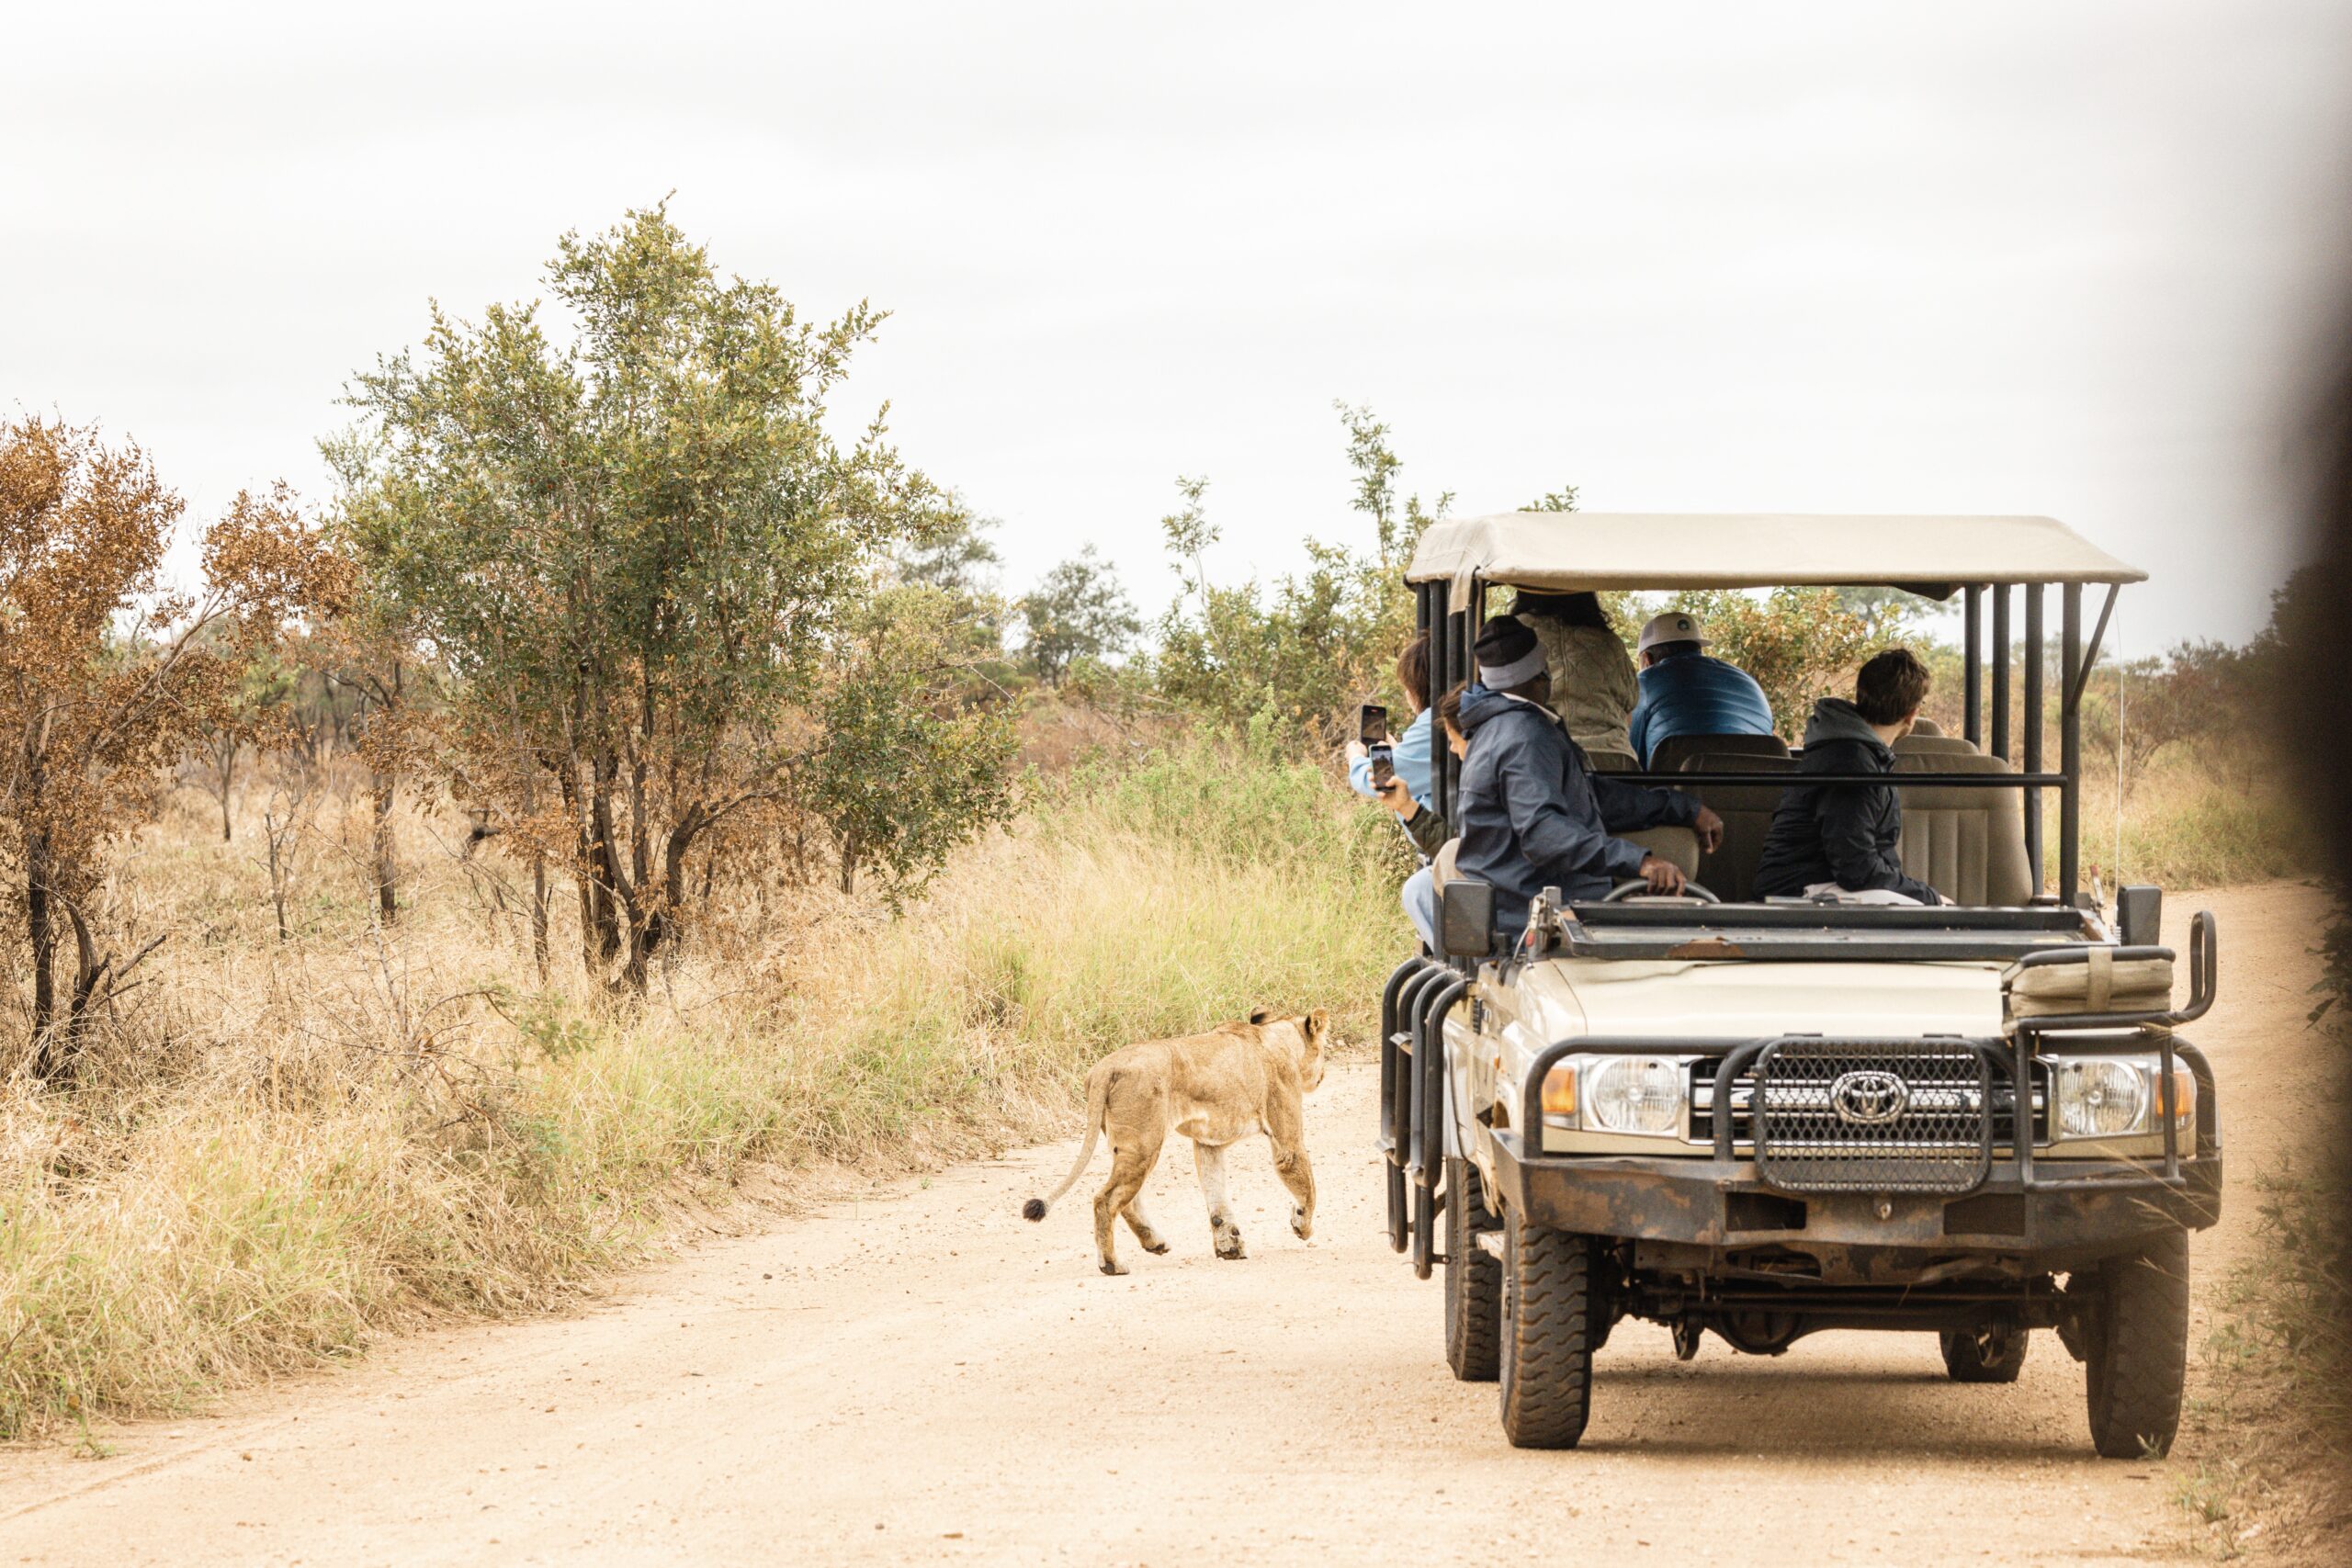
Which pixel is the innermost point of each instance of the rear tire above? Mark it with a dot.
(1473, 1283)
(1993, 1354)
(1546, 1370)
(2136, 1349)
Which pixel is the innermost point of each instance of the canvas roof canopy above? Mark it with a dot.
(1565, 551)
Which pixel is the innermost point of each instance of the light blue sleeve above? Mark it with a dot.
(1412, 758)
(1360, 776)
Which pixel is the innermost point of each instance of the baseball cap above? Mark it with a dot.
(1672, 627)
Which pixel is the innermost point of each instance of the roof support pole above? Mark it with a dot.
(1460, 634)
(2000, 747)
(1972, 723)
(2090, 655)
(1442, 679)
(2070, 744)
(2033, 684)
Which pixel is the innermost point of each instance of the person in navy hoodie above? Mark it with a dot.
(1533, 813)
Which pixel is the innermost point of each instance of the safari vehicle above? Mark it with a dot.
(1765, 1117)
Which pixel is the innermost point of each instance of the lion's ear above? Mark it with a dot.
(1317, 1023)
(1259, 1015)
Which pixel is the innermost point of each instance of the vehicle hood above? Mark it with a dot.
(1664, 1000)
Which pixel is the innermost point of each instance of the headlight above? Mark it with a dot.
(2101, 1099)
(1632, 1094)
(2109, 1097)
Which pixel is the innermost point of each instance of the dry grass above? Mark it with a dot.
(2188, 823)
(278, 1150)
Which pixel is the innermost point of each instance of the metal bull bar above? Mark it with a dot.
(1396, 1004)
(1426, 1163)
(1413, 1007)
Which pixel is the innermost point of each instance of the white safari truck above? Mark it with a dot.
(1765, 1117)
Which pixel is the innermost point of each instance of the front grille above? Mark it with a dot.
(1897, 1116)
(1743, 1094)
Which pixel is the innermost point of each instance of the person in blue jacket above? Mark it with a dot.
(1532, 813)
(1687, 692)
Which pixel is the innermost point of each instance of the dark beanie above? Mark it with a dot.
(1504, 648)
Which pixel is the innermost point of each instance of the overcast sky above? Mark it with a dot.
(2067, 258)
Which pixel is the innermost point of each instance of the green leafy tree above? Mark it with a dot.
(1078, 611)
(908, 768)
(630, 541)
(1289, 660)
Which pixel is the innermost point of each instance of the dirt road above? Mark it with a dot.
(924, 1377)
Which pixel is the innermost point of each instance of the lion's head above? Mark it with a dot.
(1306, 1032)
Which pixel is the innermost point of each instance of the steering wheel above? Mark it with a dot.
(1637, 888)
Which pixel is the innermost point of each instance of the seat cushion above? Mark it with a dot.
(1915, 744)
(1968, 844)
(1747, 810)
(1672, 754)
(1678, 845)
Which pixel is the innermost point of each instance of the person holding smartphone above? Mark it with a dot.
(1426, 826)
(1408, 754)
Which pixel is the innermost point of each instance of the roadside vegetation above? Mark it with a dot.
(622, 788)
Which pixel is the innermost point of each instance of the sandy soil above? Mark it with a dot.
(924, 1377)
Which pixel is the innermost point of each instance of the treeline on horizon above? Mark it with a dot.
(598, 575)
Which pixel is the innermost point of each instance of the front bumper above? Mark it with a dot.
(2079, 1211)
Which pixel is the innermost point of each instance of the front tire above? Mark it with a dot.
(1474, 1283)
(1546, 1364)
(1993, 1354)
(2137, 1349)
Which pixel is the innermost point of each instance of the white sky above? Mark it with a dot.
(2070, 258)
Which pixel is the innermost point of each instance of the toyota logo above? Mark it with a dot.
(1869, 1099)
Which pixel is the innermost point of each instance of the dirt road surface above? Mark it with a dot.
(924, 1378)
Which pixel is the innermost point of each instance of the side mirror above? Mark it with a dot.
(2139, 916)
(1465, 919)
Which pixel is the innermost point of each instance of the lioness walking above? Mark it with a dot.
(1236, 1080)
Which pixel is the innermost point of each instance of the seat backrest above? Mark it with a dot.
(1747, 810)
(1927, 726)
(1612, 761)
(1671, 754)
(1968, 844)
(1917, 744)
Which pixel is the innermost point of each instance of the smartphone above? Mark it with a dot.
(1372, 728)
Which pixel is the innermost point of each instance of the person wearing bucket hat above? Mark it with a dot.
(1531, 812)
(1685, 691)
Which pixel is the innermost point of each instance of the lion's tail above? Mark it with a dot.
(1098, 1090)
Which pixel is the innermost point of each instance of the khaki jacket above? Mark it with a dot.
(1593, 685)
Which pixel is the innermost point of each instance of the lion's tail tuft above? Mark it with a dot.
(1098, 1088)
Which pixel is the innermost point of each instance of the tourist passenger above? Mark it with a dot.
(1593, 685)
(1531, 812)
(1427, 825)
(1844, 840)
(1409, 752)
(1687, 692)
